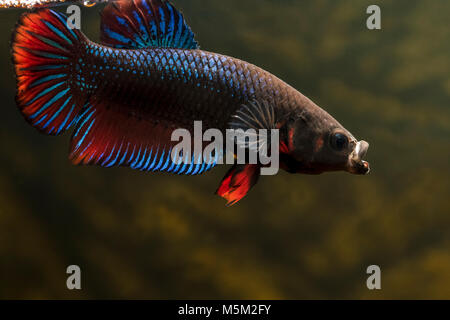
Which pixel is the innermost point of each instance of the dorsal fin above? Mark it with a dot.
(137, 24)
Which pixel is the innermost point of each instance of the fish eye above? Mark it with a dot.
(339, 141)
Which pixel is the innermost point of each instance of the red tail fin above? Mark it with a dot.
(43, 49)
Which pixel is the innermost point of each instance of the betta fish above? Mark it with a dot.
(124, 97)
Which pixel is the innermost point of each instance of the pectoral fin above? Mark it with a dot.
(256, 116)
(238, 181)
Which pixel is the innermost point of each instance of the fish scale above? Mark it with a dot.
(178, 86)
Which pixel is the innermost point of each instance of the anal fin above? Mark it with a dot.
(110, 134)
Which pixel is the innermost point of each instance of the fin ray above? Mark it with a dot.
(137, 24)
(251, 118)
(43, 47)
(237, 182)
(110, 137)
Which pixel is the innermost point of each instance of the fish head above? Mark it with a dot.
(318, 143)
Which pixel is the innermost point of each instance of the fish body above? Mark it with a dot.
(179, 86)
(126, 96)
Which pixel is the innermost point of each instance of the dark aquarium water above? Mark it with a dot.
(139, 235)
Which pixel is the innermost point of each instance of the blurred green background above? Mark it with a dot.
(138, 235)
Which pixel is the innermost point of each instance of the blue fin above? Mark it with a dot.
(137, 24)
(107, 137)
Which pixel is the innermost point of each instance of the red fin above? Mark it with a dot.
(237, 182)
(43, 50)
(110, 134)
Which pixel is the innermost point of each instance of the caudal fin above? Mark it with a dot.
(44, 49)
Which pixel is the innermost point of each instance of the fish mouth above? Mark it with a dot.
(356, 164)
